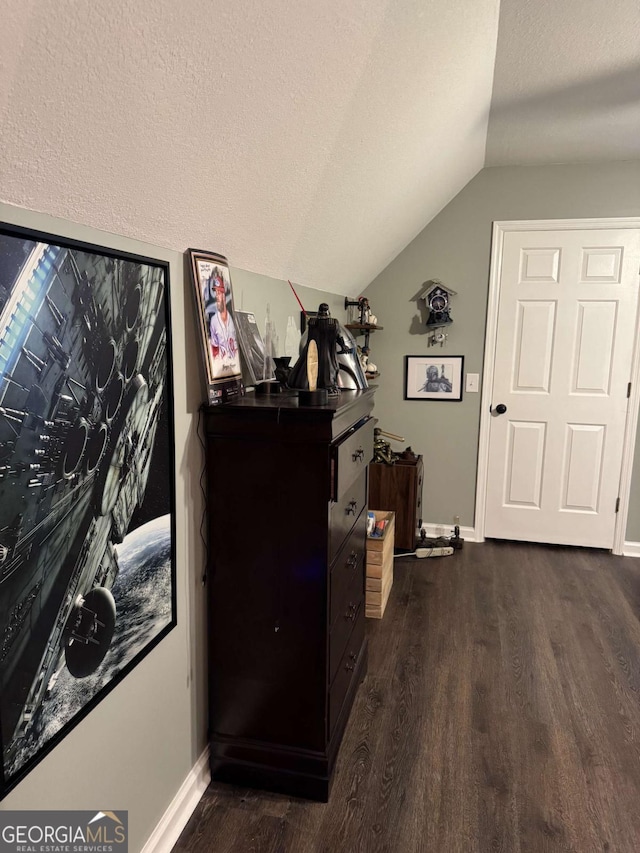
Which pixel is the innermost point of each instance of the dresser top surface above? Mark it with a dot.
(289, 400)
(283, 411)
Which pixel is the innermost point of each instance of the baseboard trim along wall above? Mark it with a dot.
(630, 549)
(176, 817)
(468, 533)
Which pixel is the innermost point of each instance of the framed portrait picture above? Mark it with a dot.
(217, 325)
(87, 506)
(259, 366)
(433, 377)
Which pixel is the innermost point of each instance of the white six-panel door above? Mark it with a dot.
(567, 316)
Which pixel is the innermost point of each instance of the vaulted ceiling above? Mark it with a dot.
(305, 140)
(567, 82)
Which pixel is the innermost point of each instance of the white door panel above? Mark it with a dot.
(524, 459)
(566, 324)
(582, 467)
(533, 346)
(592, 364)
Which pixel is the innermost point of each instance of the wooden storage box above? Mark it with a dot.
(398, 487)
(380, 566)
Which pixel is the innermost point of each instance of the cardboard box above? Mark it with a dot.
(379, 567)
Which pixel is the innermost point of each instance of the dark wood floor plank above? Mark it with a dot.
(605, 711)
(501, 712)
(493, 761)
(583, 715)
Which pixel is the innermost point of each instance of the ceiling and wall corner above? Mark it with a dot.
(303, 140)
(567, 83)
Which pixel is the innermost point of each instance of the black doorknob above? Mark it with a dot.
(501, 409)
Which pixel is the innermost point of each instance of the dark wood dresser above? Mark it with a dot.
(287, 493)
(398, 487)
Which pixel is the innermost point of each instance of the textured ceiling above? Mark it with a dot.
(308, 140)
(567, 82)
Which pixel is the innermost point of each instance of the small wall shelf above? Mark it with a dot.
(364, 329)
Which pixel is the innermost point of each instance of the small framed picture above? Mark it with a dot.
(216, 320)
(432, 377)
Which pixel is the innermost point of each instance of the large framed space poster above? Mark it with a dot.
(87, 518)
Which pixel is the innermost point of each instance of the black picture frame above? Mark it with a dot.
(87, 482)
(434, 377)
(220, 346)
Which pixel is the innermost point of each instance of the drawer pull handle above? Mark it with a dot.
(352, 561)
(351, 508)
(351, 612)
(358, 454)
(350, 665)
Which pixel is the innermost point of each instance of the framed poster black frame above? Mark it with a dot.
(87, 442)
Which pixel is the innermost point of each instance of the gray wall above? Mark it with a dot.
(253, 292)
(455, 247)
(142, 740)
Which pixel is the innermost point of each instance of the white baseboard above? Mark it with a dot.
(630, 549)
(467, 533)
(176, 817)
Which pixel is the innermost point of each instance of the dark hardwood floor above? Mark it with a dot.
(501, 712)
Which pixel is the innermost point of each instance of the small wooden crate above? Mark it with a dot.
(380, 567)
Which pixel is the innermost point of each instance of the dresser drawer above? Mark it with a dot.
(344, 512)
(349, 562)
(344, 673)
(345, 612)
(352, 456)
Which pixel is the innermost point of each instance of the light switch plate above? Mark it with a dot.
(473, 382)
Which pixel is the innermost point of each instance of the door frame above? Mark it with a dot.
(500, 228)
